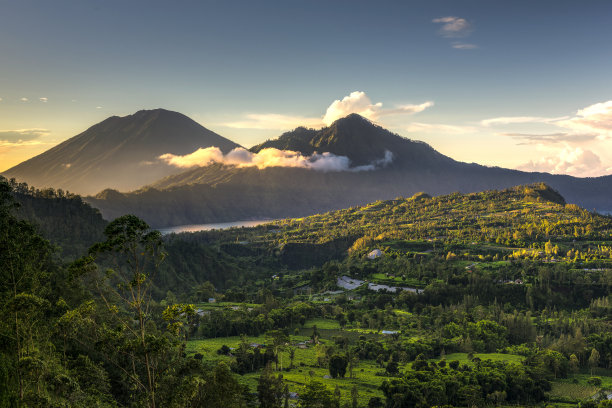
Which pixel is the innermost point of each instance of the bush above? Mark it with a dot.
(596, 381)
(224, 350)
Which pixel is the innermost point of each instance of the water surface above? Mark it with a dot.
(207, 227)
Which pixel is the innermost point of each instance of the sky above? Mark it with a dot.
(517, 84)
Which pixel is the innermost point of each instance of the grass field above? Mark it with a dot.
(463, 357)
(572, 391)
(223, 305)
(326, 324)
(305, 367)
(576, 386)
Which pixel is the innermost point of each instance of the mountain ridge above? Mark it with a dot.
(359, 139)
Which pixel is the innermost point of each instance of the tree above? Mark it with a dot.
(593, 360)
(316, 395)
(133, 248)
(354, 397)
(392, 368)
(337, 365)
(353, 361)
(291, 356)
(574, 364)
(315, 334)
(219, 388)
(270, 389)
(278, 339)
(24, 257)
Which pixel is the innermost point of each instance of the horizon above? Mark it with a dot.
(528, 91)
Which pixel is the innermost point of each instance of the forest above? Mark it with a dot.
(496, 298)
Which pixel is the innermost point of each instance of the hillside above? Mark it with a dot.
(63, 218)
(530, 222)
(524, 217)
(119, 152)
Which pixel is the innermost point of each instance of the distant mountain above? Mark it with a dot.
(218, 192)
(361, 141)
(119, 153)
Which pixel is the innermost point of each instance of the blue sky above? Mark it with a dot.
(521, 84)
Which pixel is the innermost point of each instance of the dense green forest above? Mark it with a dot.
(490, 299)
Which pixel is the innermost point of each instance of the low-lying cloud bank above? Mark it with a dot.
(271, 157)
(575, 161)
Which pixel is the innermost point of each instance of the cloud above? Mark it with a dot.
(7, 146)
(438, 127)
(508, 120)
(359, 102)
(43, 99)
(594, 121)
(596, 118)
(274, 121)
(574, 161)
(20, 135)
(24, 99)
(453, 26)
(551, 137)
(464, 46)
(356, 102)
(98, 107)
(270, 157)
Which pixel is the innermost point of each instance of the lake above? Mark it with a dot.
(207, 227)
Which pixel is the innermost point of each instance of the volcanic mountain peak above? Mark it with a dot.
(361, 140)
(119, 152)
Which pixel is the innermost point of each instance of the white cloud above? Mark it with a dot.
(19, 135)
(274, 121)
(43, 99)
(551, 137)
(594, 121)
(464, 46)
(453, 26)
(596, 118)
(7, 146)
(358, 102)
(24, 99)
(574, 161)
(438, 127)
(98, 107)
(269, 157)
(508, 120)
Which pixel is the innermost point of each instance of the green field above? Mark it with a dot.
(463, 357)
(305, 368)
(571, 391)
(576, 386)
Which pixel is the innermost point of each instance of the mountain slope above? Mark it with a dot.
(361, 141)
(220, 193)
(119, 152)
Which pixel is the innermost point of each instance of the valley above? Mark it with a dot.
(497, 297)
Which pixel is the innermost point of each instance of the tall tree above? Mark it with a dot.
(270, 389)
(134, 249)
